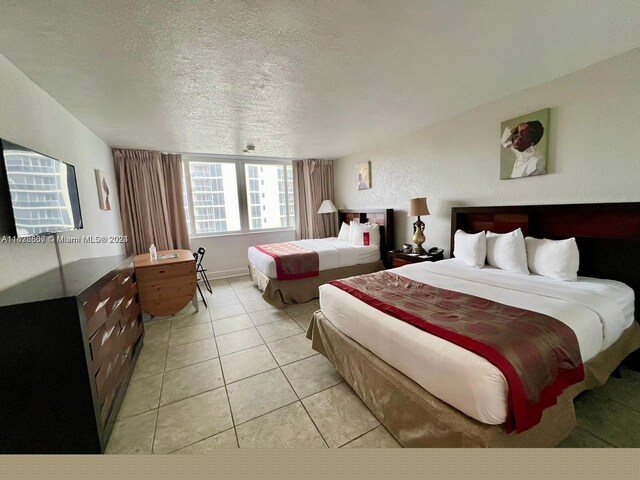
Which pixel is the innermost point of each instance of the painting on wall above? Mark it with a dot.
(525, 145)
(103, 190)
(364, 176)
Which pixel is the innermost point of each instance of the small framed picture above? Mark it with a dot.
(364, 176)
(103, 190)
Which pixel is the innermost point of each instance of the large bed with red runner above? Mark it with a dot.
(445, 354)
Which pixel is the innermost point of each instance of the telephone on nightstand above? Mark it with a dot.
(434, 251)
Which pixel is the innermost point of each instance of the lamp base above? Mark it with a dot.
(419, 250)
(418, 237)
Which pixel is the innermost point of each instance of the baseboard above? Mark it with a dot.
(236, 272)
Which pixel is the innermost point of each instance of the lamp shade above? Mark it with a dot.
(327, 207)
(418, 207)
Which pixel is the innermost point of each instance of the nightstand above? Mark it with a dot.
(399, 259)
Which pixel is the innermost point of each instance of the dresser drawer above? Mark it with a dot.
(125, 275)
(114, 317)
(103, 345)
(106, 377)
(130, 292)
(124, 360)
(128, 309)
(97, 319)
(125, 286)
(110, 295)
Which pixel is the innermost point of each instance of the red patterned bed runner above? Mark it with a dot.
(538, 355)
(293, 262)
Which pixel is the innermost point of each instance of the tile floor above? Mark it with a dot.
(242, 374)
(609, 416)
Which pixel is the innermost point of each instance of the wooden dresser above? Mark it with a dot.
(70, 338)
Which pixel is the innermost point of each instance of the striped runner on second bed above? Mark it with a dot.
(293, 262)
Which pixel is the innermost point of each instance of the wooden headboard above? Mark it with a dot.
(381, 216)
(607, 234)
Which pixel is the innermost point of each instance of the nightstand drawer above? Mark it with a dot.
(399, 262)
(398, 259)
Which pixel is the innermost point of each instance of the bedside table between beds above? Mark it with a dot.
(398, 259)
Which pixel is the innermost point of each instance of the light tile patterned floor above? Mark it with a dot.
(242, 373)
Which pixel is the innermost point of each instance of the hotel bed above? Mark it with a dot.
(332, 253)
(430, 392)
(335, 259)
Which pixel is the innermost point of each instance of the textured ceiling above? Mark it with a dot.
(297, 78)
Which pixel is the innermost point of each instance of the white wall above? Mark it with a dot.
(594, 153)
(226, 255)
(30, 117)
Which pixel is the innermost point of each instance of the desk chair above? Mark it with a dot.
(201, 270)
(195, 257)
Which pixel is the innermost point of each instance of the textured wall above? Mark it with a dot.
(594, 153)
(30, 117)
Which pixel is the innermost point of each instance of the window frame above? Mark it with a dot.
(243, 201)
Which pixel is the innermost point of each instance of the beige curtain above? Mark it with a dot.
(151, 202)
(313, 182)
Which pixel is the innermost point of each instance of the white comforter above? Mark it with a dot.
(332, 253)
(598, 311)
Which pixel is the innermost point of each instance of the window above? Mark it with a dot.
(214, 204)
(268, 190)
(237, 195)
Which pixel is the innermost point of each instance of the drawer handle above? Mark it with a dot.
(106, 335)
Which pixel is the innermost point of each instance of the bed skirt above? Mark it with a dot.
(418, 419)
(283, 292)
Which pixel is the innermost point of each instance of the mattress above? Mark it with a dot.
(332, 253)
(598, 311)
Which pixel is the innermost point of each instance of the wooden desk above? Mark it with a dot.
(166, 286)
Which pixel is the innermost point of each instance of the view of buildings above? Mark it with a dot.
(39, 193)
(215, 205)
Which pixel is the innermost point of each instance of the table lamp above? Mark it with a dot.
(327, 207)
(418, 207)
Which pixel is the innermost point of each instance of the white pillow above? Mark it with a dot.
(354, 231)
(559, 259)
(345, 232)
(470, 247)
(507, 251)
(365, 234)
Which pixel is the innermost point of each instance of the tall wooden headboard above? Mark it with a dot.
(607, 234)
(381, 216)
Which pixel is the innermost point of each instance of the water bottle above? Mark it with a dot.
(153, 252)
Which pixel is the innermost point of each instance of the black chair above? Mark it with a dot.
(195, 257)
(201, 270)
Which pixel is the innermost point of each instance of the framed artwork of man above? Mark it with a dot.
(525, 145)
